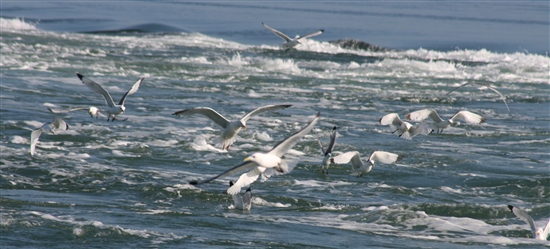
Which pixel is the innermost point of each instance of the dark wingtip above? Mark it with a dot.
(230, 183)
(322, 30)
(248, 190)
(79, 76)
(194, 182)
(319, 114)
(334, 128)
(511, 208)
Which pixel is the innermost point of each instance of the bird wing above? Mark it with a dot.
(237, 199)
(499, 94)
(525, 217)
(316, 33)
(321, 145)
(278, 33)
(247, 199)
(261, 110)
(345, 158)
(458, 88)
(244, 180)
(390, 119)
(132, 90)
(34, 139)
(97, 88)
(469, 117)
(383, 157)
(332, 140)
(423, 114)
(420, 128)
(206, 111)
(67, 110)
(284, 146)
(59, 124)
(239, 168)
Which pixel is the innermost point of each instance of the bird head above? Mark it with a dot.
(243, 125)
(93, 111)
(123, 108)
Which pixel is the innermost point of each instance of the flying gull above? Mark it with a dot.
(468, 117)
(244, 201)
(92, 111)
(359, 168)
(405, 129)
(328, 152)
(538, 233)
(484, 86)
(51, 128)
(289, 42)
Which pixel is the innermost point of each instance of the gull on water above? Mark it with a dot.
(231, 128)
(328, 152)
(289, 42)
(483, 87)
(113, 109)
(538, 233)
(359, 168)
(244, 201)
(405, 129)
(51, 128)
(466, 116)
(259, 162)
(92, 111)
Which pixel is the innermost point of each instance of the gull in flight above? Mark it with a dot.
(290, 43)
(405, 129)
(261, 163)
(113, 109)
(468, 117)
(92, 110)
(231, 128)
(51, 128)
(359, 168)
(483, 87)
(328, 152)
(244, 201)
(539, 233)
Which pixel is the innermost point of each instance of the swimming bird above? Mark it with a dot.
(359, 168)
(538, 233)
(328, 152)
(403, 128)
(51, 128)
(92, 111)
(441, 124)
(114, 109)
(259, 162)
(244, 201)
(482, 87)
(231, 128)
(290, 43)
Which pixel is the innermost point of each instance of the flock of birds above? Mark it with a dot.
(272, 162)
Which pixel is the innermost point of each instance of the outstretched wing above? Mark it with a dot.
(384, 157)
(98, 89)
(525, 217)
(247, 200)
(132, 90)
(316, 33)
(469, 117)
(423, 114)
(261, 110)
(67, 110)
(332, 140)
(278, 33)
(206, 111)
(59, 124)
(34, 139)
(248, 165)
(284, 146)
(346, 157)
(458, 88)
(245, 180)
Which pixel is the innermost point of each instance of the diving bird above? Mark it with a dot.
(359, 168)
(328, 152)
(260, 163)
(290, 43)
(244, 201)
(113, 109)
(92, 111)
(468, 117)
(51, 128)
(538, 233)
(231, 128)
(482, 87)
(405, 129)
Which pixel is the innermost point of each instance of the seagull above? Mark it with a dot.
(259, 163)
(359, 168)
(441, 124)
(539, 233)
(57, 124)
(114, 109)
(92, 110)
(243, 202)
(328, 153)
(290, 43)
(484, 86)
(403, 128)
(231, 128)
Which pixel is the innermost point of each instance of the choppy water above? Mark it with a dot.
(124, 184)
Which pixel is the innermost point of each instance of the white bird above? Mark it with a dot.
(403, 128)
(244, 201)
(113, 108)
(92, 111)
(51, 128)
(482, 87)
(328, 152)
(259, 162)
(231, 128)
(289, 42)
(359, 168)
(538, 233)
(468, 117)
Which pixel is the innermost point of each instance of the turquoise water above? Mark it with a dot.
(124, 184)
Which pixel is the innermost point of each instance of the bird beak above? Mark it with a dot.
(247, 159)
(244, 127)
